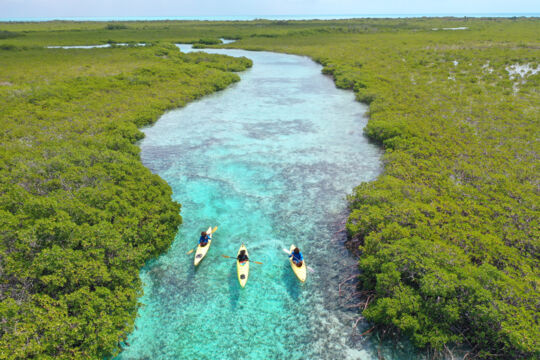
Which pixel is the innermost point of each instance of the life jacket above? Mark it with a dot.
(242, 258)
(297, 257)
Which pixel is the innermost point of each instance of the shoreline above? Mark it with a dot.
(455, 202)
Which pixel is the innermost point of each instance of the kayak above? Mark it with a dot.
(300, 272)
(202, 250)
(242, 269)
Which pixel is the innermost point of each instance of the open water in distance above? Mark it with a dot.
(267, 17)
(269, 160)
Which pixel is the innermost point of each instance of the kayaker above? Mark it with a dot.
(297, 257)
(203, 240)
(242, 257)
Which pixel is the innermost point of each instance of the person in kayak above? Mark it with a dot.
(203, 240)
(297, 257)
(242, 257)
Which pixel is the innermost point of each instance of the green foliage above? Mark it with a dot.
(8, 47)
(208, 41)
(115, 27)
(4, 34)
(449, 233)
(79, 213)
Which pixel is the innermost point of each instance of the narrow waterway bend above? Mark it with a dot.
(270, 161)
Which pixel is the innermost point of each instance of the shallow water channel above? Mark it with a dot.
(269, 160)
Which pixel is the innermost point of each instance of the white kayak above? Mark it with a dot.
(242, 269)
(202, 250)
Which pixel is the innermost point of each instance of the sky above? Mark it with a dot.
(193, 8)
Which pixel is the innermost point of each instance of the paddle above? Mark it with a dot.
(308, 267)
(213, 231)
(230, 257)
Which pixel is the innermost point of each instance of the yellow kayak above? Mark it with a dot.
(242, 269)
(202, 250)
(300, 272)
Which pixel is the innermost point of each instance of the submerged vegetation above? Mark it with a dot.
(79, 213)
(448, 235)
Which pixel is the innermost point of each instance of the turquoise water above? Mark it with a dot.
(269, 160)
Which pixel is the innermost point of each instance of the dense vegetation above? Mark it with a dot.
(449, 234)
(79, 213)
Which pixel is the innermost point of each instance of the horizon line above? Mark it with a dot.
(263, 17)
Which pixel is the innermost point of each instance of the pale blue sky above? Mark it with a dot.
(175, 8)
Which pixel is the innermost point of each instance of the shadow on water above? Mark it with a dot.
(290, 281)
(192, 272)
(234, 288)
